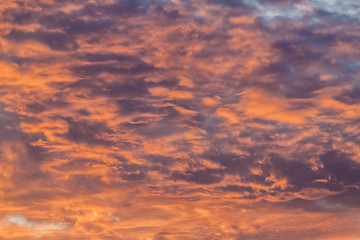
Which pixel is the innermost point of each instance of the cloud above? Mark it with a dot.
(91, 133)
(55, 40)
(341, 168)
(22, 221)
(207, 176)
(124, 68)
(164, 119)
(18, 15)
(237, 188)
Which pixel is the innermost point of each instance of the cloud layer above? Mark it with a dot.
(209, 119)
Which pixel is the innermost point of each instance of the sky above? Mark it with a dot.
(180, 119)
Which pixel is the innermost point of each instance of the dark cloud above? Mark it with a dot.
(26, 60)
(341, 168)
(338, 171)
(237, 188)
(130, 88)
(234, 164)
(35, 107)
(18, 15)
(135, 88)
(230, 3)
(298, 174)
(92, 133)
(102, 57)
(22, 158)
(84, 112)
(303, 47)
(165, 124)
(78, 164)
(133, 176)
(131, 172)
(35, 153)
(207, 176)
(55, 40)
(172, 15)
(162, 128)
(131, 106)
(334, 203)
(349, 198)
(122, 8)
(163, 160)
(258, 179)
(124, 67)
(303, 204)
(349, 96)
(73, 25)
(56, 102)
(298, 52)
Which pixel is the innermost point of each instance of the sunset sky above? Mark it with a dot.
(180, 119)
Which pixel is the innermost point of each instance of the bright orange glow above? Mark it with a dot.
(169, 119)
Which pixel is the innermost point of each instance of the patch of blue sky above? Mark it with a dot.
(353, 65)
(288, 10)
(346, 7)
(295, 11)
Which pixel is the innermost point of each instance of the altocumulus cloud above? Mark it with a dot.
(164, 119)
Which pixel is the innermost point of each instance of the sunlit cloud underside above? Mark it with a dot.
(162, 120)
